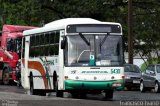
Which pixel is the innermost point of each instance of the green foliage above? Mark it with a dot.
(146, 15)
(151, 61)
(21, 12)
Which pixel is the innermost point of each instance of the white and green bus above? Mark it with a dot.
(74, 55)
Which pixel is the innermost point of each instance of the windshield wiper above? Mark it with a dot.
(101, 43)
(104, 39)
(85, 40)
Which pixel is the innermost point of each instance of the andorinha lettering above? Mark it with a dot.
(48, 63)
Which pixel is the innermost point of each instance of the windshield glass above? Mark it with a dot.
(158, 68)
(93, 50)
(131, 68)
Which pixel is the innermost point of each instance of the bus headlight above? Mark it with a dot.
(65, 77)
(127, 77)
(77, 77)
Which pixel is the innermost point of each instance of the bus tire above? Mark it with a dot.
(58, 92)
(5, 77)
(42, 93)
(108, 95)
(54, 81)
(83, 95)
(32, 90)
(74, 95)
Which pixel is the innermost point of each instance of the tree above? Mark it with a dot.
(21, 12)
(146, 15)
(146, 29)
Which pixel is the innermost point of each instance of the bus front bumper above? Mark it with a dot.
(94, 85)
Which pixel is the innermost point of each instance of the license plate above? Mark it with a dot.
(136, 82)
(116, 85)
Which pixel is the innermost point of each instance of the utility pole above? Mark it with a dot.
(130, 33)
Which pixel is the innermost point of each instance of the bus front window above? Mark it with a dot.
(109, 50)
(102, 49)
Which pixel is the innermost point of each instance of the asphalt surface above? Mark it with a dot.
(14, 96)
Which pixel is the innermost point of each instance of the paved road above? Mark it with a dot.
(13, 96)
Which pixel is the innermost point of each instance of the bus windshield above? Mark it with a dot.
(93, 50)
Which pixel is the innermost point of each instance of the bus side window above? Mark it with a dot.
(31, 50)
(38, 48)
(56, 42)
(42, 37)
(41, 46)
(46, 44)
(56, 39)
(52, 35)
(33, 46)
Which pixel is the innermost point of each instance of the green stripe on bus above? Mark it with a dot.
(93, 85)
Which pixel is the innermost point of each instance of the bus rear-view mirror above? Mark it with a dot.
(63, 43)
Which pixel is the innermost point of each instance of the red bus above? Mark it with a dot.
(10, 50)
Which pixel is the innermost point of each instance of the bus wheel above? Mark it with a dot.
(58, 92)
(83, 95)
(54, 81)
(42, 93)
(108, 95)
(5, 77)
(74, 95)
(32, 91)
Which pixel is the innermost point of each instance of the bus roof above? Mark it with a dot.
(67, 21)
(62, 23)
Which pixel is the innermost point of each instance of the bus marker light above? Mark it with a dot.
(112, 77)
(66, 77)
(123, 77)
(77, 77)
